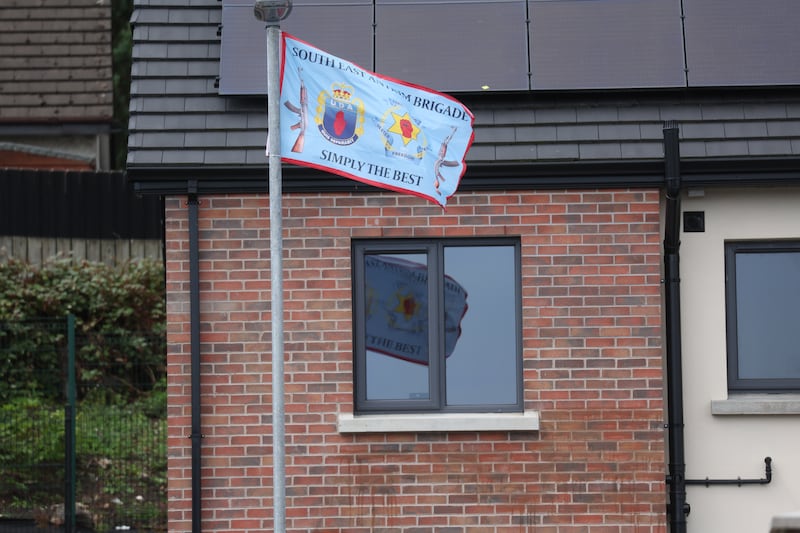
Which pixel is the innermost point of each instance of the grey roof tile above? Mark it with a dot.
(775, 110)
(702, 130)
(204, 33)
(597, 114)
(600, 151)
(619, 132)
(644, 113)
(149, 86)
(184, 157)
(256, 156)
(203, 68)
(680, 112)
(483, 153)
(186, 86)
(743, 129)
(148, 50)
(558, 151)
(185, 122)
(146, 122)
(169, 32)
(205, 139)
(189, 16)
(784, 128)
(223, 157)
(721, 112)
(642, 150)
(581, 132)
(175, 105)
(769, 147)
(501, 134)
(206, 103)
(239, 139)
(257, 122)
(535, 133)
(509, 152)
(162, 139)
(190, 51)
(653, 131)
(160, 68)
(726, 148)
(163, 104)
(227, 121)
(556, 115)
(510, 116)
(145, 157)
(694, 148)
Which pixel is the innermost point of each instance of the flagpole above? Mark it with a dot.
(272, 12)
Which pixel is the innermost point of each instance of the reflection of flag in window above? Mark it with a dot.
(397, 308)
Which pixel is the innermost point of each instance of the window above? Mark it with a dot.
(762, 310)
(437, 326)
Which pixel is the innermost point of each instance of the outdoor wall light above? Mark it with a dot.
(272, 11)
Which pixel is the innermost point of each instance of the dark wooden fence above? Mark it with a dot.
(83, 215)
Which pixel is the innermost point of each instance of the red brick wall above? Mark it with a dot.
(592, 368)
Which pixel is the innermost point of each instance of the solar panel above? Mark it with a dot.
(608, 44)
(520, 45)
(742, 42)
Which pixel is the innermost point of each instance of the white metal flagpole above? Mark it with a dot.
(272, 12)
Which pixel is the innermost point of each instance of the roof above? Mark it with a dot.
(55, 61)
(180, 127)
(15, 155)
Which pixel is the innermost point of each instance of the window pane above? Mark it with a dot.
(767, 310)
(396, 328)
(482, 367)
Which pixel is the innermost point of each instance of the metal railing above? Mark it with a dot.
(82, 429)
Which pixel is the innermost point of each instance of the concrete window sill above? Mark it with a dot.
(757, 404)
(438, 422)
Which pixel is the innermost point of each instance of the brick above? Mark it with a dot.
(591, 314)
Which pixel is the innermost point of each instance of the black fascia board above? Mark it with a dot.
(481, 176)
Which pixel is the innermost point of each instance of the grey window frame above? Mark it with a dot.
(735, 383)
(434, 249)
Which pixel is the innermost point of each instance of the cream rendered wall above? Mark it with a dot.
(731, 446)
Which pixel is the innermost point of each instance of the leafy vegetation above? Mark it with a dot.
(121, 387)
(120, 322)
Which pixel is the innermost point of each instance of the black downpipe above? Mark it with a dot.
(194, 318)
(678, 508)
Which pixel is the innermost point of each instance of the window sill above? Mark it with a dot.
(786, 523)
(757, 404)
(384, 423)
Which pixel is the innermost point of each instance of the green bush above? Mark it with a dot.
(120, 323)
(120, 366)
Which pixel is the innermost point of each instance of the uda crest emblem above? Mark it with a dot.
(340, 116)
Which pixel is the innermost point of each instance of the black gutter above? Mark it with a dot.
(678, 508)
(482, 176)
(194, 319)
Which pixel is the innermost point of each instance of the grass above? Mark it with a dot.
(120, 460)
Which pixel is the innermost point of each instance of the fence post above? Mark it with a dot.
(69, 431)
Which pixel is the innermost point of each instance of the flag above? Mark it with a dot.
(396, 306)
(340, 118)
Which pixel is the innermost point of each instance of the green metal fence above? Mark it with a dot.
(82, 428)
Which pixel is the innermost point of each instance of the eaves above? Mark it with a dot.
(572, 175)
